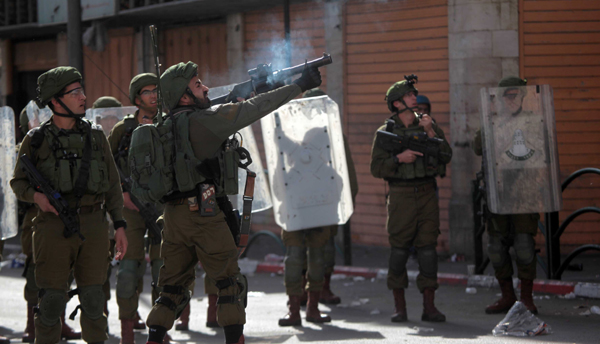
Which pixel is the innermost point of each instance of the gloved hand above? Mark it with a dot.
(310, 78)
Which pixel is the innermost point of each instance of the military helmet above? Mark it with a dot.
(315, 92)
(140, 81)
(106, 102)
(174, 82)
(399, 89)
(513, 82)
(54, 81)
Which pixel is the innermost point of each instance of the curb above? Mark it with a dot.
(576, 289)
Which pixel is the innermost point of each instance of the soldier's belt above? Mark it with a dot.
(413, 189)
(88, 209)
(178, 201)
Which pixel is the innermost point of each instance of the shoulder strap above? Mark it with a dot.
(84, 169)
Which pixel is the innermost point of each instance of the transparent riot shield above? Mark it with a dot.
(307, 164)
(8, 158)
(520, 150)
(262, 196)
(108, 117)
(36, 115)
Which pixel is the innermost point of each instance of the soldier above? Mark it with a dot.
(188, 236)
(69, 142)
(516, 230)
(423, 105)
(31, 289)
(130, 274)
(413, 210)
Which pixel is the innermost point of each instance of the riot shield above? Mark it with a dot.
(307, 166)
(262, 197)
(520, 150)
(108, 117)
(8, 158)
(36, 115)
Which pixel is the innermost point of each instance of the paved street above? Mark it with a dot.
(365, 319)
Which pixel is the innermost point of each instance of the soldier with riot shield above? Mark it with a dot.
(412, 203)
(31, 117)
(521, 167)
(66, 168)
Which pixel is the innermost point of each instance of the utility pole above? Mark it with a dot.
(74, 34)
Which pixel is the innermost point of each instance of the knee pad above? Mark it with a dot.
(524, 248)
(52, 305)
(91, 298)
(316, 266)
(156, 264)
(497, 251)
(428, 262)
(295, 259)
(398, 259)
(242, 296)
(127, 278)
(178, 308)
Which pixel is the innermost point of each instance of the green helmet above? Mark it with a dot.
(513, 81)
(140, 81)
(106, 102)
(315, 92)
(174, 82)
(53, 81)
(399, 89)
(24, 121)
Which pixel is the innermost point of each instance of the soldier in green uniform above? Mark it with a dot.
(60, 149)
(188, 236)
(516, 230)
(412, 205)
(31, 289)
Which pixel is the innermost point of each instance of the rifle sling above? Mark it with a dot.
(247, 211)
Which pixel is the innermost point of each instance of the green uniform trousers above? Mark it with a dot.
(329, 250)
(304, 248)
(187, 239)
(130, 284)
(31, 289)
(518, 231)
(413, 220)
(56, 256)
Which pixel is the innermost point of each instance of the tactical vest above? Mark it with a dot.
(419, 168)
(58, 154)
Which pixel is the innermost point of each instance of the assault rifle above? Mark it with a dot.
(68, 215)
(264, 79)
(147, 210)
(418, 142)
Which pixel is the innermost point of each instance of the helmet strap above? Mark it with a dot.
(69, 113)
(197, 101)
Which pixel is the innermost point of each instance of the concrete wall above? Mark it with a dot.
(483, 47)
(334, 42)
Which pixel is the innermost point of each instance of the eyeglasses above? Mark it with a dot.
(75, 93)
(148, 92)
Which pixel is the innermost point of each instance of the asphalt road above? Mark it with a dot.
(364, 317)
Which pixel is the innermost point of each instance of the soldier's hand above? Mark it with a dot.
(408, 156)
(128, 203)
(310, 78)
(120, 243)
(42, 201)
(426, 122)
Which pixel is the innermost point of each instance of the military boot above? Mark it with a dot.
(430, 313)
(292, 318)
(211, 311)
(138, 323)
(29, 333)
(4, 340)
(67, 332)
(312, 309)
(327, 296)
(400, 303)
(127, 326)
(527, 295)
(183, 324)
(507, 300)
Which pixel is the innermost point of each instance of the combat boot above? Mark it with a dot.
(211, 311)
(327, 296)
(507, 300)
(527, 295)
(400, 303)
(138, 323)
(292, 318)
(430, 313)
(67, 332)
(29, 333)
(183, 323)
(312, 309)
(4, 340)
(127, 326)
